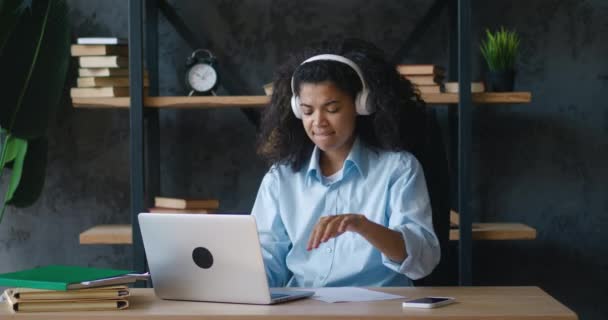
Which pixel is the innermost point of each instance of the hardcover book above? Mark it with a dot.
(176, 203)
(173, 210)
(101, 40)
(23, 306)
(63, 278)
(78, 50)
(420, 69)
(88, 82)
(100, 92)
(29, 294)
(103, 72)
(103, 62)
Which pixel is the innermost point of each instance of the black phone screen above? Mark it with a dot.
(428, 300)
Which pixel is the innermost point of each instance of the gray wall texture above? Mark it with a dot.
(542, 163)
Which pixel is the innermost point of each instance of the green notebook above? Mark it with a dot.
(68, 277)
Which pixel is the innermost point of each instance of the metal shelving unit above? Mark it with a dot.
(144, 122)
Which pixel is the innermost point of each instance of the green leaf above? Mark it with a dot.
(500, 49)
(34, 58)
(21, 150)
(33, 174)
(12, 145)
(34, 66)
(16, 149)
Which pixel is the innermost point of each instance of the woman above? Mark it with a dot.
(345, 202)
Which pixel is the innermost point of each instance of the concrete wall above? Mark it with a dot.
(542, 163)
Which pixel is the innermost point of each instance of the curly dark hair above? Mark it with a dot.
(397, 124)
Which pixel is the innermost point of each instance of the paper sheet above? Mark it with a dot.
(348, 294)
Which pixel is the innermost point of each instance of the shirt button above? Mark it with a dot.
(329, 250)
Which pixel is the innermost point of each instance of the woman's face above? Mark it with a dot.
(328, 116)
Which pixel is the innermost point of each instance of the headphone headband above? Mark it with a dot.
(361, 98)
(333, 57)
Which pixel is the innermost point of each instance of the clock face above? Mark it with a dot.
(202, 77)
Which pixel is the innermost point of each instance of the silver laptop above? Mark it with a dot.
(208, 257)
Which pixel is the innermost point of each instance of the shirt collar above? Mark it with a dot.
(355, 158)
(313, 165)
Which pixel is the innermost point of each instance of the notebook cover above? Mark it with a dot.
(28, 294)
(56, 277)
(18, 306)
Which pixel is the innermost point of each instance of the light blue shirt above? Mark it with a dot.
(387, 187)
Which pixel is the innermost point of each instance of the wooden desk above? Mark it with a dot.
(488, 303)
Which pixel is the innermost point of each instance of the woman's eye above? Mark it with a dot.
(332, 110)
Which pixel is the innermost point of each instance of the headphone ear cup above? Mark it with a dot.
(362, 104)
(295, 106)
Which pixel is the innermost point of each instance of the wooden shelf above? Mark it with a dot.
(498, 231)
(480, 98)
(107, 234)
(493, 230)
(121, 233)
(176, 102)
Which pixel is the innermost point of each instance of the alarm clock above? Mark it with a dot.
(201, 73)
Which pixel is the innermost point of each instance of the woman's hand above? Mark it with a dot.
(332, 226)
(389, 242)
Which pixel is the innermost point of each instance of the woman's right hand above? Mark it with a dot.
(333, 226)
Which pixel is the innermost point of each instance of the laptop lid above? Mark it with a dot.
(204, 257)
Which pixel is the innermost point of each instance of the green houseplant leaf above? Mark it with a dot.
(13, 151)
(34, 61)
(32, 176)
(19, 149)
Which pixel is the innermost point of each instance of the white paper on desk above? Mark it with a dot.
(351, 294)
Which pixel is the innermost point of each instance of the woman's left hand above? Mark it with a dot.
(332, 226)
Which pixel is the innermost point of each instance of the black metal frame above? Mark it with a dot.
(464, 142)
(136, 116)
(459, 15)
(151, 120)
(459, 116)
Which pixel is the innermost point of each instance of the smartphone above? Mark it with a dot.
(429, 302)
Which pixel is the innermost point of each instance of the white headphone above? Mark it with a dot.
(361, 104)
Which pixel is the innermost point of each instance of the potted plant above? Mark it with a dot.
(34, 59)
(499, 50)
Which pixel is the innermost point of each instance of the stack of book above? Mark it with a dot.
(104, 68)
(178, 205)
(38, 300)
(476, 87)
(68, 288)
(427, 78)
